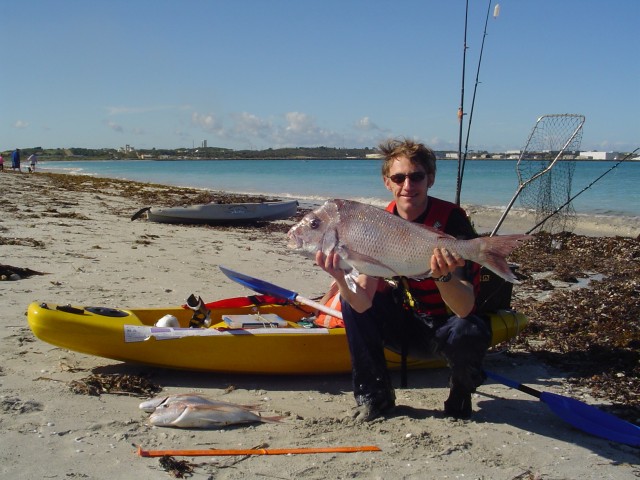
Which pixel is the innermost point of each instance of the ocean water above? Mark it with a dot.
(488, 183)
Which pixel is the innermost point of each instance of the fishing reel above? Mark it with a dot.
(201, 317)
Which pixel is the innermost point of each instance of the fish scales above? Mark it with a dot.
(193, 398)
(380, 244)
(198, 415)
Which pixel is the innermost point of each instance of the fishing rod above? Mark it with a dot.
(475, 89)
(462, 158)
(461, 108)
(626, 157)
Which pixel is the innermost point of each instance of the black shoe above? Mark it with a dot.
(369, 411)
(458, 405)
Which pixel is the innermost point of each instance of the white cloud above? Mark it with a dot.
(292, 129)
(300, 123)
(248, 124)
(115, 127)
(302, 130)
(366, 124)
(208, 123)
(21, 124)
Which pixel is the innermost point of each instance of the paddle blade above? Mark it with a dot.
(258, 285)
(592, 420)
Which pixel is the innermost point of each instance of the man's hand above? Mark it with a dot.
(444, 262)
(330, 264)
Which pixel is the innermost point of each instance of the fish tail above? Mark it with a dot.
(276, 419)
(492, 253)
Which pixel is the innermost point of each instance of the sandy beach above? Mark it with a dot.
(93, 254)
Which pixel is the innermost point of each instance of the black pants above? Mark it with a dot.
(462, 342)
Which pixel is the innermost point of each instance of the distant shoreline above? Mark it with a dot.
(44, 158)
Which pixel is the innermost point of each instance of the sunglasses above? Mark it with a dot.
(414, 177)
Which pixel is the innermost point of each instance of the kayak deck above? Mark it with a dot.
(129, 335)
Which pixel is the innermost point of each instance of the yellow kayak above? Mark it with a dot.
(256, 335)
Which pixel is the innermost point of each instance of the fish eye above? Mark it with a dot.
(314, 223)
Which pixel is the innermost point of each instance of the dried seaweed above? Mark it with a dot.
(22, 242)
(117, 384)
(593, 332)
(6, 271)
(177, 468)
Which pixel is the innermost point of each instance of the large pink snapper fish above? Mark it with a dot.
(379, 244)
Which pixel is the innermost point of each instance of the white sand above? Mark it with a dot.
(107, 260)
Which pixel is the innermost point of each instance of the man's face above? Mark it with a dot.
(409, 184)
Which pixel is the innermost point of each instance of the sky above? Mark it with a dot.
(257, 74)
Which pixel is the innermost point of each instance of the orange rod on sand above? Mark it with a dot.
(258, 451)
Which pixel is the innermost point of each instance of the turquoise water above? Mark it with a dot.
(486, 182)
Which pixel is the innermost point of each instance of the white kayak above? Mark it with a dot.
(222, 213)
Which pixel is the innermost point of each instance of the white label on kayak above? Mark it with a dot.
(137, 333)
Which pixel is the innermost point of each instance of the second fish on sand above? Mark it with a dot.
(194, 411)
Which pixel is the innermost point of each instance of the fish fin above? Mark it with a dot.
(494, 250)
(329, 241)
(182, 419)
(350, 278)
(275, 419)
(354, 259)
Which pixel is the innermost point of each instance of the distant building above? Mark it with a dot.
(599, 155)
(126, 149)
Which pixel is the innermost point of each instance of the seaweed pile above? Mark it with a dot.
(150, 193)
(589, 325)
(8, 272)
(117, 384)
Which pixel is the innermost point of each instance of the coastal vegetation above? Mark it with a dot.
(219, 153)
(204, 153)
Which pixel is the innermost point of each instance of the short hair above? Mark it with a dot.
(417, 153)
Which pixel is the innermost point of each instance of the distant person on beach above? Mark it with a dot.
(441, 320)
(15, 160)
(1, 163)
(33, 160)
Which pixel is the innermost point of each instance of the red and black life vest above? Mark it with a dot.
(425, 291)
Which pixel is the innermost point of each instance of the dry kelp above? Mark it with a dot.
(591, 332)
(118, 384)
(8, 272)
(150, 193)
(176, 468)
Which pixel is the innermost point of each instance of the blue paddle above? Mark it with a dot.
(582, 416)
(267, 288)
